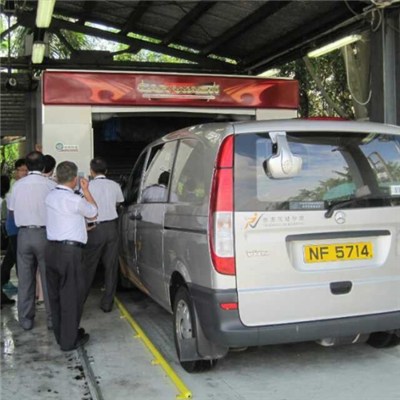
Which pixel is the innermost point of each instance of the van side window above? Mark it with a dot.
(188, 183)
(158, 173)
(132, 189)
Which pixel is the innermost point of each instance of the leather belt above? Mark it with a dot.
(33, 226)
(68, 243)
(100, 222)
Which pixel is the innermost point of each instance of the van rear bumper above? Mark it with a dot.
(226, 329)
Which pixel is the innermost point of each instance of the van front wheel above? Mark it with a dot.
(185, 329)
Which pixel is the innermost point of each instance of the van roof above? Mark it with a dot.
(213, 133)
(315, 125)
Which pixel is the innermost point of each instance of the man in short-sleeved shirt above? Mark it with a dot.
(10, 259)
(27, 204)
(103, 235)
(67, 235)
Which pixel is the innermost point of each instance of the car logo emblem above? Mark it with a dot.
(340, 217)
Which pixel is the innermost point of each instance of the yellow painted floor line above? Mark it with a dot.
(184, 392)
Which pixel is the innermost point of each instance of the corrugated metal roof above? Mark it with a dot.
(247, 37)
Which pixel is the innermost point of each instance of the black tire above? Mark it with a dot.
(382, 340)
(184, 327)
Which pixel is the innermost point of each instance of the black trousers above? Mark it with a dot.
(66, 288)
(102, 245)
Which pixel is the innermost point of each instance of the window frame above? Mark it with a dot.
(145, 170)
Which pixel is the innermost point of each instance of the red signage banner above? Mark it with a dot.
(130, 89)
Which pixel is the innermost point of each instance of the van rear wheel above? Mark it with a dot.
(184, 329)
(382, 340)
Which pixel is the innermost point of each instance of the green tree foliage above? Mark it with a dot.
(10, 153)
(17, 37)
(331, 71)
(58, 48)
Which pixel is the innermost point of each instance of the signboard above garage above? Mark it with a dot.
(102, 88)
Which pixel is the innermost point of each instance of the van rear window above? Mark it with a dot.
(336, 167)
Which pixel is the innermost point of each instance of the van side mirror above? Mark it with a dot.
(283, 163)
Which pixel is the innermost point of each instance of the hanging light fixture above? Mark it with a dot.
(38, 51)
(334, 46)
(44, 13)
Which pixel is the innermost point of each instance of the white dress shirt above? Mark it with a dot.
(27, 199)
(107, 195)
(66, 213)
(157, 194)
(154, 194)
(51, 182)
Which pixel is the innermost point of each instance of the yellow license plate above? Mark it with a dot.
(338, 252)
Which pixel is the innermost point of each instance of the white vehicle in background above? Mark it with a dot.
(268, 232)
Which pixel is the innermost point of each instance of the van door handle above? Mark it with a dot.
(343, 287)
(139, 217)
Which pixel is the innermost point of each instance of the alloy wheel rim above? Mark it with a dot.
(183, 323)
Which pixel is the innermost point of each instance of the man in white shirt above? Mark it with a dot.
(158, 193)
(27, 204)
(10, 258)
(103, 235)
(67, 235)
(49, 166)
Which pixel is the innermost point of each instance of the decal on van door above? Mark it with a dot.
(253, 221)
(269, 221)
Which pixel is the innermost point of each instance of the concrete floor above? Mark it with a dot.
(33, 367)
(300, 371)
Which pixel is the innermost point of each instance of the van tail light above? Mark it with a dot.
(221, 211)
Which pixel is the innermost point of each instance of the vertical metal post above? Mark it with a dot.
(385, 69)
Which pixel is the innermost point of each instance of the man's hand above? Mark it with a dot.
(86, 193)
(84, 183)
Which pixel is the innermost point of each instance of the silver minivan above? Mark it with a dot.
(256, 233)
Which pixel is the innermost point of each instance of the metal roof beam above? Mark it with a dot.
(88, 7)
(64, 41)
(266, 10)
(28, 19)
(135, 16)
(9, 30)
(298, 37)
(195, 13)
(23, 63)
(96, 19)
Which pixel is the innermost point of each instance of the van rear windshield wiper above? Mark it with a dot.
(342, 204)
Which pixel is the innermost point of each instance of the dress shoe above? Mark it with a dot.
(81, 332)
(80, 342)
(106, 309)
(27, 325)
(83, 340)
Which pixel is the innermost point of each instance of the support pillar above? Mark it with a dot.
(385, 69)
